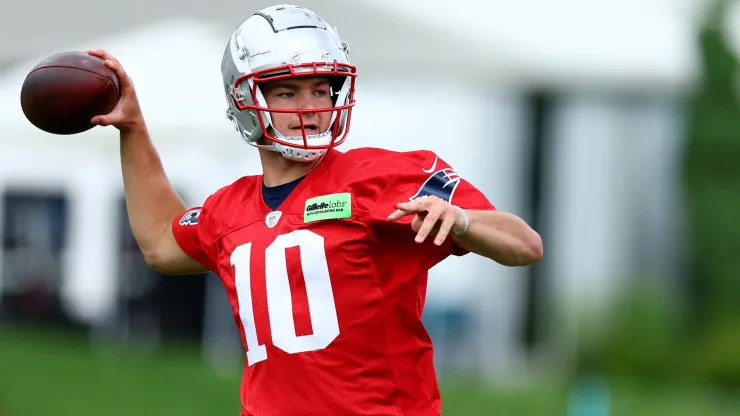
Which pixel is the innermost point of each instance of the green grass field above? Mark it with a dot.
(47, 375)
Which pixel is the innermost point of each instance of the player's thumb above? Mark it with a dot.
(101, 121)
(109, 119)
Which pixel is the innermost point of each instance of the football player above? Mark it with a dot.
(325, 255)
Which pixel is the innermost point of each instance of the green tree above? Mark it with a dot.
(713, 201)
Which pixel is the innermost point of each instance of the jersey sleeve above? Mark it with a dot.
(424, 174)
(192, 235)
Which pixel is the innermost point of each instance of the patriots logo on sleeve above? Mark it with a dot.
(441, 184)
(190, 217)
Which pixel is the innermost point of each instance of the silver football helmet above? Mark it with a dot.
(279, 42)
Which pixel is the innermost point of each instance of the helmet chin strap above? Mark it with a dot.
(300, 138)
(296, 153)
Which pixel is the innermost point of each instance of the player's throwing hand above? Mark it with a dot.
(127, 112)
(433, 216)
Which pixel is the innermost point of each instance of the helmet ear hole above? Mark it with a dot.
(336, 82)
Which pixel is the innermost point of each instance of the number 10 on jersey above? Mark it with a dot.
(321, 305)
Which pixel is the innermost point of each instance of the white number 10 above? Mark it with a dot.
(321, 305)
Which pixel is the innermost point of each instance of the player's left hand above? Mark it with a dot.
(433, 216)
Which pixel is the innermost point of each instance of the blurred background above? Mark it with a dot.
(611, 127)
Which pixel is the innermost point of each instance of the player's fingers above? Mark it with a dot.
(407, 208)
(416, 205)
(103, 54)
(123, 79)
(448, 221)
(115, 65)
(429, 222)
(95, 52)
(417, 222)
(398, 214)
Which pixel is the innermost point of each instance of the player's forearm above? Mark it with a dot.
(150, 200)
(502, 237)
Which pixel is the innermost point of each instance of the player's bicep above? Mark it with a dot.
(171, 259)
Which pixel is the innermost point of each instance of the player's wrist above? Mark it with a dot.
(133, 128)
(462, 222)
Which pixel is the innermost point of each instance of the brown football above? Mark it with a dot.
(63, 92)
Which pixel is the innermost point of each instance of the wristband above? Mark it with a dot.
(467, 223)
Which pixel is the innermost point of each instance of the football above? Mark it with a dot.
(63, 92)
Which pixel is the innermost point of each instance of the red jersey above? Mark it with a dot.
(327, 292)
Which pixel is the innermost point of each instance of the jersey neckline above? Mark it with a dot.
(262, 206)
